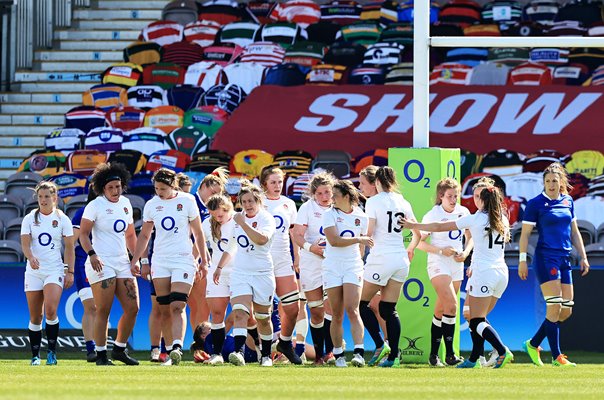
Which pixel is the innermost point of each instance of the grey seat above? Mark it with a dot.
(181, 11)
(335, 161)
(33, 204)
(600, 233)
(74, 204)
(516, 231)
(512, 252)
(10, 251)
(595, 253)
(12, 229)
(10, 207)
(22, 184)
(588, 231)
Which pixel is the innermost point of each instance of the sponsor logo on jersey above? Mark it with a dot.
(159, 208)
(179, 207)
(109, 211)
(55, 223)
(318, 215)
(339, 219)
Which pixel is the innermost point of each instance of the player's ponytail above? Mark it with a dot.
(182, 181)
(495, 208)
(557, 169)
(369, 173)
(220, 177)
(214, 203)
(387, 179)
(346, 188)
(44, 185)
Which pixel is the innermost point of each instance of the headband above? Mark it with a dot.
(111, 179)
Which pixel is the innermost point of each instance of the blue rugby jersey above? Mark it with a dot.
(553, 220)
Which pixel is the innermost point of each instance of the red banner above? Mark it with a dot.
(360, 118)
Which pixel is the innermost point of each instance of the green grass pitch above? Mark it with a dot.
(75, 379)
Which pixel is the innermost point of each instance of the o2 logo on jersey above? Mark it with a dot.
(244, 243)
(119, 226)
(220, 242)
(280, 223)
(347, 233)
(169, 224)
(45, 240)
(454, 235)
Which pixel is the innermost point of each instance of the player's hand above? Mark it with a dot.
(68, 280)
(239, 218)
(449, 251)
(460, 257)
(584, 266)
(466, 313)
(317, 250)
(216, 276)
(34, 263)
(366, 241)
(469, 272)
(523, 270)
(405, 223)
(202, 269)
(410, 254)
(135, 268)
(146, 271)
(97, 264)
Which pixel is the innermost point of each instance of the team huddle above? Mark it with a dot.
(342, 251)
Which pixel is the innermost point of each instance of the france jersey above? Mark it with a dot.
(203, 210)
(553, 220)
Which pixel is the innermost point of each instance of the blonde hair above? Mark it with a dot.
(44, 185)
(442, 186)
(249, 187)
(214, 203)
(219, 176)
(557, 169)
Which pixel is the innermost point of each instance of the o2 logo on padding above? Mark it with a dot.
(420, 173)
(119, 226)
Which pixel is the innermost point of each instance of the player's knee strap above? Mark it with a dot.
(315, 303)
(290, 298)
(261, 315)
(567, 303)
(163, 300)
(177, 296)
(242, 308)
(474, 322)
(553, 300)
(387, 310)
(302, 296)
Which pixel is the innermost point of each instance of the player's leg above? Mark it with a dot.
(35, 304)
(374, 305)
(52, 297)
(103, 293)
(301, 327)
(179, 294)
(316, 303)
(352, 298)
(155, 328)
(371, 323)
(336, 299)
(447, 308)
(328, 357)
(262, 313)
(88, 322)
(241, 311)
(126, 291)
(198, 305)
(390, 295)
(287, 290)
(218, 306)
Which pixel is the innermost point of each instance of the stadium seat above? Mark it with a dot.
(512, 252)
(532, 239)
(588, 231)
(10, 207)
(595, 253)
(10, 251)
(335, 161)
(12, 230)
(600, 233)
(138, 204)
(74, 204)
(181, 11)
(21, 184)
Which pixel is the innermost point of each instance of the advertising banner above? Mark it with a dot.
(357, 118)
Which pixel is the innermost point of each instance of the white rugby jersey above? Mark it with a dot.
(310, 215)
(252, 258)
(147, 97)
(284, 211)
(203, 74)
(220, 246)
(147, 140)
(110, 223)
(488, 248)
(445, 239)
(171, 218)
(353, 224)
(46, 238)
(386, 208)
(245, 75)
(104, 139)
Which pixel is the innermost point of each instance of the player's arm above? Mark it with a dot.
(142, 242)
(69, 259)
(525, 233)
(335, 240)
(430, 227)
(130, 236)
(255, 235)
(461, 257)
(26, 247)
(577, 240)
(299, 231)
(296, 249)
